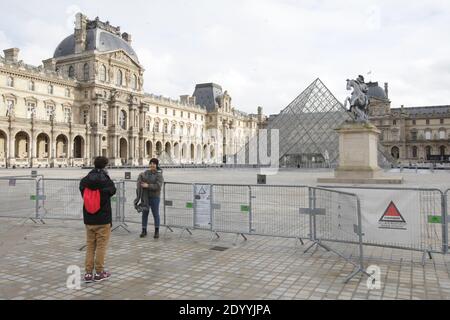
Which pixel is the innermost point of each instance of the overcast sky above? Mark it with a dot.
(264, 52)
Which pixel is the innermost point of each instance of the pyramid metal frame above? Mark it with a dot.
(307, 129)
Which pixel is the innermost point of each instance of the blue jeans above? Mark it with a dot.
(154, 206)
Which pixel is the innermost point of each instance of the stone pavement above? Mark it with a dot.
(34, 261)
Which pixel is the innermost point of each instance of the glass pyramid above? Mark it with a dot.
(306, 129)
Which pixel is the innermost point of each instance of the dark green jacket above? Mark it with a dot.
(155, 182)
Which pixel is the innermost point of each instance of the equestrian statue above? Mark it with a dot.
(359, 101)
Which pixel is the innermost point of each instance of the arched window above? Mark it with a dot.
(86, 72)
(156, 127)
(119, 78)
(442, 150)
(10, 82)
(395, 152)
(123, 120)
(71, 72)
(103, 73)
(166, 128)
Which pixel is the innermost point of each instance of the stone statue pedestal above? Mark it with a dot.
(358, 156)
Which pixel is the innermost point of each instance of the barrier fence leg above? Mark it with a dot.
(183, 230)
(424, 257)
(313, 226)
(213, 233)
(38, 196)
(358, 268)
(444, 223)
(167, 228)
(120, 208)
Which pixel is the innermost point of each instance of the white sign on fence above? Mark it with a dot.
(202, 207)
(398, 217)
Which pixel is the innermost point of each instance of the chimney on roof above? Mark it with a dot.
(11, 55)
(126, 37)
(184, 99)
(80, 33)
(386, 89)
(50, 64)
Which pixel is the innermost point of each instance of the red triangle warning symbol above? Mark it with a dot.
(392, 214)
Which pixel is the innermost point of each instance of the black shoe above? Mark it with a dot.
(156, 234)
(143, 234)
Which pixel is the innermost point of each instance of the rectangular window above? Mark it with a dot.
(442, 135)
(414, 136)
(9, 107)
(66, 115)
(31, 107)
(165, 111)
(428, 121)
(104, 118)
(182, 114)
(394, 122)
(414, 122)
(428, 134)
(174, 113)
(48, 112)
(157, 109)
(442, 121)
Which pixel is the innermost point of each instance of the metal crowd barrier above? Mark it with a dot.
(41, 199)
(403, 218)
(300, 212)
(18, 197)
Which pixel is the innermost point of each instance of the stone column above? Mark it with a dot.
(87, 149)
(70, 145)
(51, 153)
(11, 147)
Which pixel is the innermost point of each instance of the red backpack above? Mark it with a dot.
(91, 200)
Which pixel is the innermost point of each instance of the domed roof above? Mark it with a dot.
(96, 39)
(375, 91)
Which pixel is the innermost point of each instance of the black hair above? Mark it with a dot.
(155, 161)
(101, 162)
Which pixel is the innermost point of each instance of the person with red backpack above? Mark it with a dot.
(97, 189)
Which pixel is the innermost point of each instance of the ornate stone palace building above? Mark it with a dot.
(410, 135)
(88, 100)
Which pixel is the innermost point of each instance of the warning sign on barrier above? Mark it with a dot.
(392, 218)
(202, 208)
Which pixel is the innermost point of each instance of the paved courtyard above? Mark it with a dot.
(178, 266)
(35, 257)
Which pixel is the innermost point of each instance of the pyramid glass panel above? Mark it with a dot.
(307, 129)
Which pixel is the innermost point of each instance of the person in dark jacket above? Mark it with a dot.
(148, 192)
(98, 224)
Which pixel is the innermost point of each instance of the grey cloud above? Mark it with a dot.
(263, 52)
